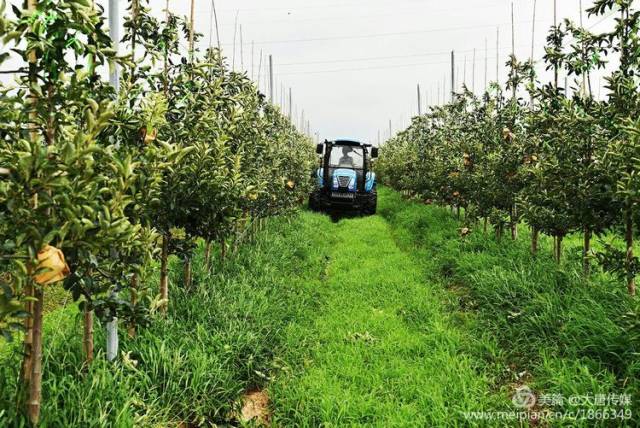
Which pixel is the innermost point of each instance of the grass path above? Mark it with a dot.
(385, 321)
(381, 350)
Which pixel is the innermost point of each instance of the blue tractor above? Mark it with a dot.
(345, 180)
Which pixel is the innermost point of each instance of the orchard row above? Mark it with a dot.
(97, 182)
(530, 153)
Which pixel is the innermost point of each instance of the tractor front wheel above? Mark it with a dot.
(313, 202)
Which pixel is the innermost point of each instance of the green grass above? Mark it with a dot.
(557, 331)
(418, 325)
(385, 321)
(382, 350)
(217, 342)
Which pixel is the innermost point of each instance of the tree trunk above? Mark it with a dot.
(207, 255)
(241, 228)
(485, 225)
(35, 386)
(559, 249)
(29, 291)
(535, 234)
(27, 359)
(631, 280)
(134, 302)
(87, 338)
(223, 249)
(255, 227)
(236, 238)
(499, 232)
(187, 273)
(586, 264)
(560, 240)
(458, 211)
(164, 274)
(246, 223)
(514, 223)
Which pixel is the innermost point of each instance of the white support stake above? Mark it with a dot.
(114, 79)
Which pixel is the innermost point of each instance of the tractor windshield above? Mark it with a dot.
(347, 157)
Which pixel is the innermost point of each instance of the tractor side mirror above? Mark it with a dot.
(319, 149)
(374, 152)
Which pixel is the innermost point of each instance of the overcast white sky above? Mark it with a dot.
(353, 65)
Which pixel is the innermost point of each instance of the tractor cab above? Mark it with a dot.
(344, 179)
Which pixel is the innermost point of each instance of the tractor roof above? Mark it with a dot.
(347, 143)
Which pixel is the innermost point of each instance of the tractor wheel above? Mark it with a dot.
(371, 205)
(313, 203)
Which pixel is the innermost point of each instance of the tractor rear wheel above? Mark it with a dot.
(371, 204)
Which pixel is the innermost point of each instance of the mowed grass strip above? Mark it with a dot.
(383, 352)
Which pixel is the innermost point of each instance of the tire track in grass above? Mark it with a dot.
(380, 351)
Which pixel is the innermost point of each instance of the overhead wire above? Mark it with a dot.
(386, 67)
(447, 53)
(378, 35)
(362, 17)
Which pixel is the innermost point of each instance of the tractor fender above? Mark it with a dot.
(370, 181)
(319, 177)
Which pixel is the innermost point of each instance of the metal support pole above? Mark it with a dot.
(453, 74)
(114, 32)
(114, 79)
(271, 79)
